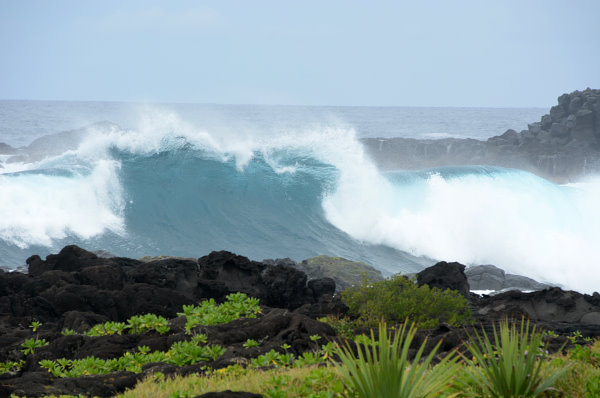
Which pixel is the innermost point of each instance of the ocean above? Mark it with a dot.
(283, 181)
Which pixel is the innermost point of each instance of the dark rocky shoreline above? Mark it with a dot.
(76, 289)
(563, 146)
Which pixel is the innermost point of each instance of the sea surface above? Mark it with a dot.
(283, 181)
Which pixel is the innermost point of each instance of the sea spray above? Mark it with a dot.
(484, 215)
(168, 187)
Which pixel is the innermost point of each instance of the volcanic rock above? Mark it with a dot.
(444, 276)
(490, 277)
(563, 146)
(76, 289)
(345, 273)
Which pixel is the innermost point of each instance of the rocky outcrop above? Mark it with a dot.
(343, 272)
(77, 289)
(53, 144)
(551, 306)
(563, 146)
(6, 149)
(490, 277)
(444, 276)
(79, 280)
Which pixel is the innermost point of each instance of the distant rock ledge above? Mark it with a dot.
(563, 146)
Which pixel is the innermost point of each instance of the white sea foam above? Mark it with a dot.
(38, 208)
(514, 220)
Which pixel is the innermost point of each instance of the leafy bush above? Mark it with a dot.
(137, 324)
(343, 326)
(511, 366)
(397, 299)
(208, 312)
(10, 366)
(250, 343)
(31, 344)
(380, 368)
(180, 353)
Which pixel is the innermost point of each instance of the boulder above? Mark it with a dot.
(490, 277)
(345, 273)
(552, 305)
(444, 276)
(6, 149)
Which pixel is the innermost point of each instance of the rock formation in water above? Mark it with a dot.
(490, 277)
(563, 146)
(345, 273)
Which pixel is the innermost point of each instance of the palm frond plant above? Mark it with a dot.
(510, 366)
(381, 367)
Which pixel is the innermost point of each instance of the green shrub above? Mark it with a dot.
(250, 343)
(380, 368)
(10, 366)
(511, 366)
(397, 299)
(35, 325)
(344, 326)
(180, 353)
(137, 324)
(31, 344)
(208, 312)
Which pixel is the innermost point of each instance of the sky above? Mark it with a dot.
(513, 53)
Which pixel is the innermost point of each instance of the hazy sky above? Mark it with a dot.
(409, 53)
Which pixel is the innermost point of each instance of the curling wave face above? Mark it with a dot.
(168, 188)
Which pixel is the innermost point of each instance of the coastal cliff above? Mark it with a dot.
(563, 146)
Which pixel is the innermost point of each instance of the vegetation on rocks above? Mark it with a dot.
(181, 353)
(238, 305)
(379, 366)
(398, 299)
(285, 352)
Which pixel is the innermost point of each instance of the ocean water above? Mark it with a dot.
(276, 181)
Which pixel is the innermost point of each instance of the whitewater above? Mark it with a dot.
(160, 183)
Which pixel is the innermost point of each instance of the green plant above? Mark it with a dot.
(137, 324)
(592, 388)
(35, 325)
(344, 326)
(67, 332)
(10, 366)
(31, 344)
(250, 343)
(180, 353)
(208, 312)
(511, 366)
(106, 329)
(381, 368)
(307, 359)
(397, 298)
